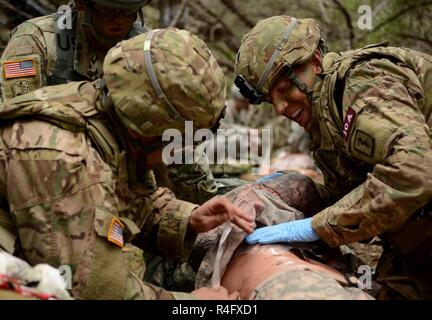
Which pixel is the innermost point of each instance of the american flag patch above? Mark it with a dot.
(19, 68)
(115, 232)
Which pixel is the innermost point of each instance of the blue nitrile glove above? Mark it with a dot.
(293, 231)
(269, 177)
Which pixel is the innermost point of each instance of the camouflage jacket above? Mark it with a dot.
(35, 46)
(65, 181)
(372, 140)
(34, 43)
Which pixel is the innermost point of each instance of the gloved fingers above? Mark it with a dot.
(270, 236)
(251, 239)
(259, 234)
(269, 177)
(270, 239)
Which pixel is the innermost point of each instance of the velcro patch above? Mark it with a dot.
(364, 143)
(20, 87)
(349, 120)
(115, 232)
(19, 68)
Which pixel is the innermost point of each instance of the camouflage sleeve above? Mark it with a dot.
(165, 231)
(23, 62)
(327, 162)
(390, 133)
(61, 195)
(192, 182)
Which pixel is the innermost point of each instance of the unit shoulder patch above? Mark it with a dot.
(20, 87)
(364, 143)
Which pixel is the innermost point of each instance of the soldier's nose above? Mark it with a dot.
(281, 107)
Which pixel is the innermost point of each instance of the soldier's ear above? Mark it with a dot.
(316, 62)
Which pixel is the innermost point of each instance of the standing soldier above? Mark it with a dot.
(75, 166)
(66, 46)
(368, 112)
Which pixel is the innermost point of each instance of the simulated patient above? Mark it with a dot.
(276, 271)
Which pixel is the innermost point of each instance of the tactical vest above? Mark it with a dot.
(414, 239)
(64, 70)
(336, 67)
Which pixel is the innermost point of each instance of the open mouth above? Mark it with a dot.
(297, 116)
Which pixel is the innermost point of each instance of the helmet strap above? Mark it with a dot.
(275, 55)
(136, 152)
(141, 17)
(299, 83)
(173, 112)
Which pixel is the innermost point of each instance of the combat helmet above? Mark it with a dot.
(158, 80)
(122, 4)
(271, 48)
(112, 6)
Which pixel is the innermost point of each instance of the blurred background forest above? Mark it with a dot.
(222, 23)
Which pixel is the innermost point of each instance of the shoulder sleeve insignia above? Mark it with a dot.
(364, 143)
(20, 87)
(115, 232)
(348, 122)
(19, 68)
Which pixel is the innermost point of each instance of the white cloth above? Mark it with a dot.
(47, 279)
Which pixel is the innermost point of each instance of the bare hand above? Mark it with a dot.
(216, 293)
(217, 211)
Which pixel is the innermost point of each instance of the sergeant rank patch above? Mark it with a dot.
(364, 143)
(115, 232)
(19, 68)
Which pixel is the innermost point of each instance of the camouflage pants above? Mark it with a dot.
(168, 274)
(405, 266)
(304, 284)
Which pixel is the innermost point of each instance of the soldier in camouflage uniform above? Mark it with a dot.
(53, 54)
(48, 52)
(56, 55)
(75, 170)
(368, 112)
(278, 271)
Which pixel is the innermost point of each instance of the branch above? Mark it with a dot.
(323, 11)
(380, 7)
(39, 7)
(223, 24)
(411, 36)
(231, 39)
(230, 4)
(15, 9)
(347, 20)
(395, 16)
(179, 13)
